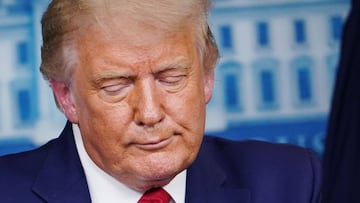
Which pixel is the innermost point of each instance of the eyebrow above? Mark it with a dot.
(108, 75)
(177, 63)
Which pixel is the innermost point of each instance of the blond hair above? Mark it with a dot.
(65, 19)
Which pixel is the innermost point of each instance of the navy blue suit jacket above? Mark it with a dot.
(224, 171)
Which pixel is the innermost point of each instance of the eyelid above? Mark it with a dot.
(116, 84)
(113, 88)
(172, 79)
(173, 82)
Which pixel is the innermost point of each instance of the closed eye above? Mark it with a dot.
(171, 80)
(113, 88)
(116, 86)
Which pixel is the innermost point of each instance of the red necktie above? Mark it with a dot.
(155, 195)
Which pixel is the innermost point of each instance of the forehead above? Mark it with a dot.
(131, 42)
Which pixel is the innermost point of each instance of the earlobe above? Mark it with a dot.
(64, 99)
(209, 85)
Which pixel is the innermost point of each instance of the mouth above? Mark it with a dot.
(154, 145)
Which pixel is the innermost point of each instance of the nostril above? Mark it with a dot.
(148, 123)
(139, 123)
(148, 116)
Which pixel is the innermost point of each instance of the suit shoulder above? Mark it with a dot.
(254, 148)
(24, 164)
(270, 167)
(259, 155)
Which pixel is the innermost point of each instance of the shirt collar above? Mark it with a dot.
(105, 188)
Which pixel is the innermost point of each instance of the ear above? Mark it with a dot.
(64, 100)
(208, 85)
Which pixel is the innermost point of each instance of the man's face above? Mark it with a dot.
(139, 98)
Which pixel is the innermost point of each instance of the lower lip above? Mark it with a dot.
(155, 146)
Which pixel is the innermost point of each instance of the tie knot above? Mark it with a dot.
(155, 195)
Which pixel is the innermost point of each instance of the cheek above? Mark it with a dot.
(103, 131)
(94, 108)
(188, 108)
(104, 122)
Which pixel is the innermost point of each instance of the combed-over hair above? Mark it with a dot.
(64, 20)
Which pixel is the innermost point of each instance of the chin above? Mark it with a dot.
(158, 177)
(146, 184)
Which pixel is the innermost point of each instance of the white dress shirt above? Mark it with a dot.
(105, 188)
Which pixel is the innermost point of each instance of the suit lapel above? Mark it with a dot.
(62, 178)
(207, 181)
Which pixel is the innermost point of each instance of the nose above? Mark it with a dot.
(148, 109)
